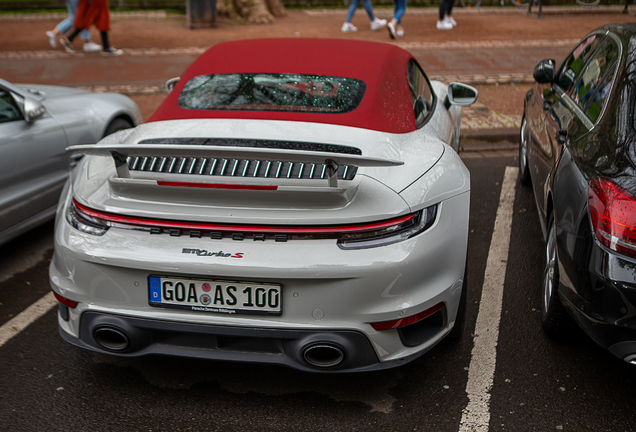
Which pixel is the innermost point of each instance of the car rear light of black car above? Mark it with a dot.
(351, 236)
(613, 214)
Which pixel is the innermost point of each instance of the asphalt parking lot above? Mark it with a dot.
(504, 374)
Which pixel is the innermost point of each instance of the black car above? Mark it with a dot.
(578, 151)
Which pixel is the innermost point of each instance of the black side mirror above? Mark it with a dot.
(544, 71)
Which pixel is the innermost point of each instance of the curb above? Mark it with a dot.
(483, 140)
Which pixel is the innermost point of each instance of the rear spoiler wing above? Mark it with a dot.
(121, 152)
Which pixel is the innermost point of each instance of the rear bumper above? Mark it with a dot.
(274, 346)
(325, 290)
(598, 287)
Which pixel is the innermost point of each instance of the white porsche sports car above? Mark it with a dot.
(279, 207)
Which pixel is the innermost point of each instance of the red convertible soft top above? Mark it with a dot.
(386, 105)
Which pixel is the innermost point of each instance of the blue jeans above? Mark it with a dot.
(399, 7)
(66, 24)
(354, 5)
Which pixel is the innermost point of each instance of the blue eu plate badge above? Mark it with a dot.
(155, 289)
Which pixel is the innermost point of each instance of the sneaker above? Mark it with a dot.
(112, 51)
(391, 28)
(51, 37)
(67, 46)
(444, 25)
(399, 32)
(348, 27)
(91, 46)
(450, 20)
(377, 24)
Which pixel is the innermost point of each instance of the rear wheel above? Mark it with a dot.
(460, 319)
(117, 125)
(524, 172)
(554, 318)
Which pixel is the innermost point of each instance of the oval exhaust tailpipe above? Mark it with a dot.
(323, 355)
(111, 338)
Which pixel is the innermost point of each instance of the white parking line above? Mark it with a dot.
(26, 317)
(476, 415)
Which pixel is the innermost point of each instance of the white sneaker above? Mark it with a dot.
(112, 51)
(391, 28)
(52, 40)
(348, 27)
(450, 20)
(91, 46)
(399, 32)
(377, 24)
(67, 46)
(444, 25)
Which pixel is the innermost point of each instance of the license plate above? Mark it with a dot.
(215, 296)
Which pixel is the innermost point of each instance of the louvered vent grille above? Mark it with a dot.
(236, 168)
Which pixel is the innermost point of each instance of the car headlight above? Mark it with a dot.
(84, 222)
(421, 221)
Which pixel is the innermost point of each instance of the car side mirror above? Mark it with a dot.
(544, 72)
(33, 109)
(171, 83)
(460, 94)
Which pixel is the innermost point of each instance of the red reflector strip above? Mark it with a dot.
(217, 186)
(144, 222)
(403, 322)
(64, 300)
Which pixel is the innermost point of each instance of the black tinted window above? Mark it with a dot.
(594, 82)
(272, 92)
(573, 64)
(8, 109)
(421, 93)
(595, 104)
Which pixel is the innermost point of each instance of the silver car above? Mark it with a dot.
(37, 123)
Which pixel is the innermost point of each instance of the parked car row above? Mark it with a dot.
(313, 211)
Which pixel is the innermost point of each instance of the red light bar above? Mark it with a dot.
(337, 229)
(64, 300)
(403, 322)
(217, 186)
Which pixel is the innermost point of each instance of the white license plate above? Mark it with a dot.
(215, 296)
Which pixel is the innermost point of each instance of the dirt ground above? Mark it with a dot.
(172, 31)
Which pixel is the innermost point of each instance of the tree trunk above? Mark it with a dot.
(253, 11)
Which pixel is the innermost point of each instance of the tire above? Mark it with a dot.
(554, 317)
(460, 320)
(588, 2)
(521, 3)
(117, 125)
(524, 171)
(470, 3)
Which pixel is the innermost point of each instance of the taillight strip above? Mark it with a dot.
(217, 186)
(339, 229)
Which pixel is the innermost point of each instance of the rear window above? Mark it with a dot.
(272, 92)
